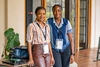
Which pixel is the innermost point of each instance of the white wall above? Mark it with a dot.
(95, 23)
(2, 25)
(16, 17)
(12, 14)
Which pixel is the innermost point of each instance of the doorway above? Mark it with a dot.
(80, 16)
(83, 24)
(30, 10)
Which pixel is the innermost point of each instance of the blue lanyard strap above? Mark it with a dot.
(44, 34)
(59, 31)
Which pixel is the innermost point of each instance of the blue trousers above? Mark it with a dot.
(62, 59)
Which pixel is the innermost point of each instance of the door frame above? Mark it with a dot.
(77, 20)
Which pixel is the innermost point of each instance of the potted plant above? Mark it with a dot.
(12, 41)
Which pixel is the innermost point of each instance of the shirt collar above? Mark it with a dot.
(43, 22)
(60, 23)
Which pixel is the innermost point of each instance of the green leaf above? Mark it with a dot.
(8, 32)
(11, 36)
(17, 39)
(12, 39)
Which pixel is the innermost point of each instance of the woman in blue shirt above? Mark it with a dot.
(61, 38)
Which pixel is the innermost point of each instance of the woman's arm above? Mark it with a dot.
(30, 51)
(71, 42)
(31, 61)
(72, 47)
(52, 58)
(50, 50)
(70, 36)
(29, 41)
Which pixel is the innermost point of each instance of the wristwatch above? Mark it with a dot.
(73, 54)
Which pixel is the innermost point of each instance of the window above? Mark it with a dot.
(83, 23)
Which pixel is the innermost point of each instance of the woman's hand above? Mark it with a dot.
(52, 61)
(30, 63)
(71, 59)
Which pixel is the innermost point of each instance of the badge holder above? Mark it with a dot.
(59, 43)
(45, 48)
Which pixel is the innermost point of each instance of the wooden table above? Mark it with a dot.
(9, 65)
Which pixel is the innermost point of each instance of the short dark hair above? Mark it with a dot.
(38, 8)
(55, 6)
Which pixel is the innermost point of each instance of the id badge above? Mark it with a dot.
(59, 43)
(45, 48)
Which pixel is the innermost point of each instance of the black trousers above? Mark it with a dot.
(62, 59)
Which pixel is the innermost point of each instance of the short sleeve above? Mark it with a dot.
(69, 27)
(29, 33)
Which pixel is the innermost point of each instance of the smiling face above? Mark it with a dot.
(41, 15)
(57, 12)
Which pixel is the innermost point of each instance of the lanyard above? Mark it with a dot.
(59, 32)
(44, 34)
